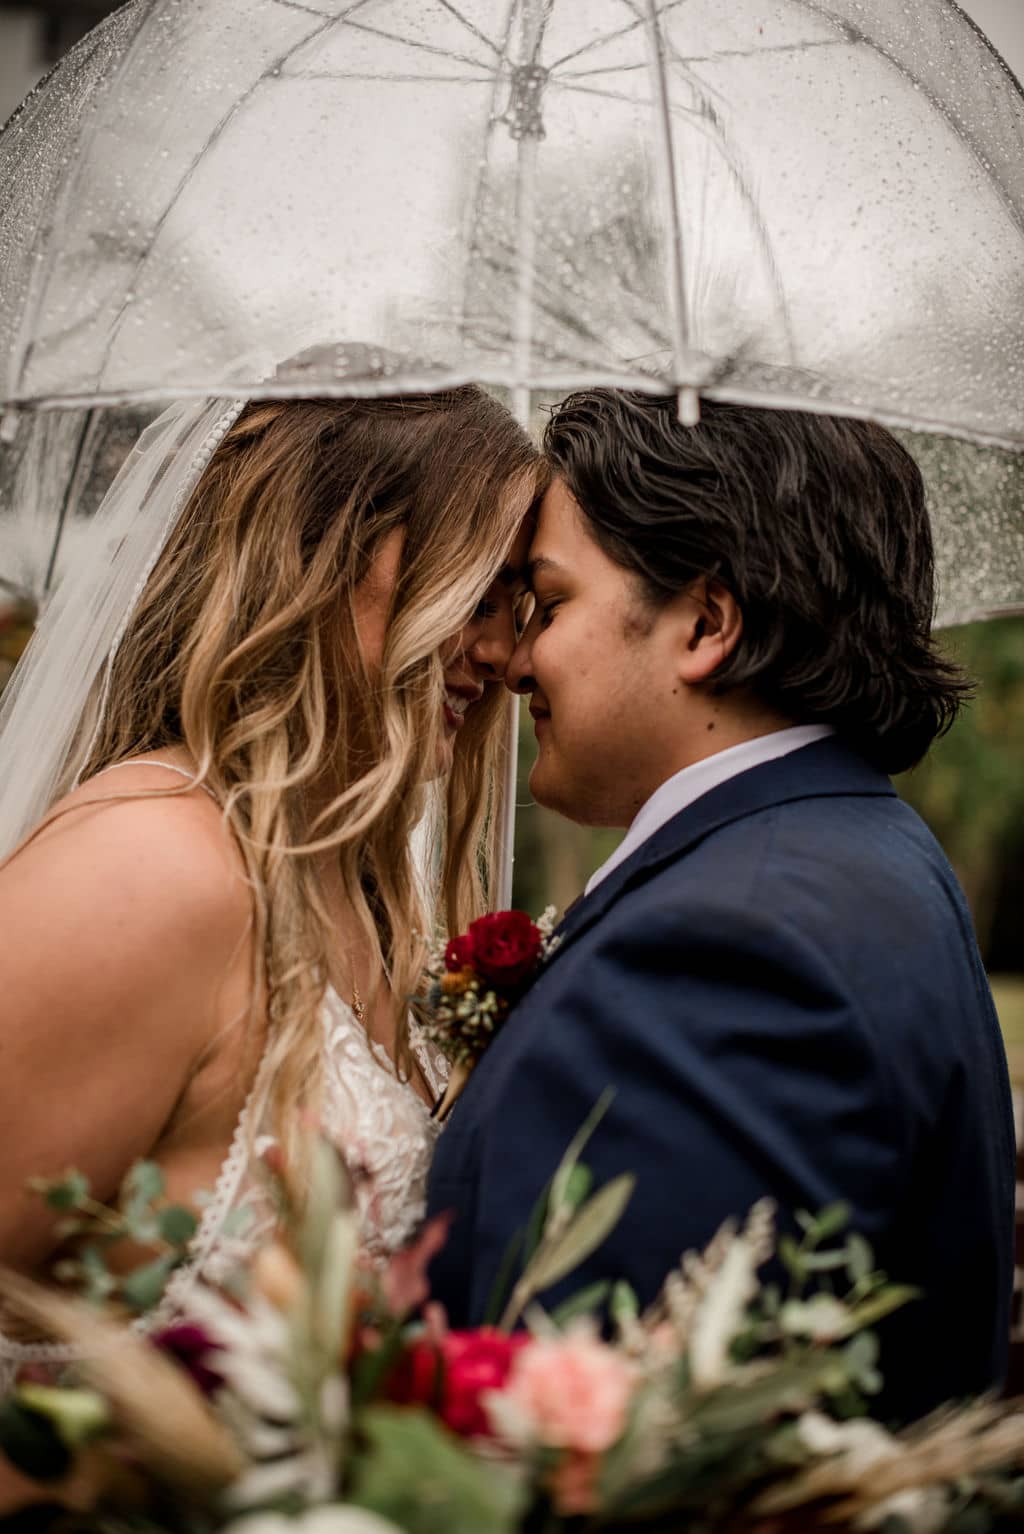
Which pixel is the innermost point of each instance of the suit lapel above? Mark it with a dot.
(825, 769)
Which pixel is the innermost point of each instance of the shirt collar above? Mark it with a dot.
(692, 782)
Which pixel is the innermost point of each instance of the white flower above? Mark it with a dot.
(720, 1313)
(862, 1443)
(923, 1509)
(255, 1363)
(823, 1318)
(336, 1518)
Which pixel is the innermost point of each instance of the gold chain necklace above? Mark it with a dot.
(358, 1006)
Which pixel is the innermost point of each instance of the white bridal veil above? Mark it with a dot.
(52, 709)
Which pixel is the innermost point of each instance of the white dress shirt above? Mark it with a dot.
(693, 782)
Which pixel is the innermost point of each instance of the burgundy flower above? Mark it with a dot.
(506, 947)
(192, 1348)
(459, 953)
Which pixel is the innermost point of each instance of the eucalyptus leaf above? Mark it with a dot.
(144, 1288)
(860, 1259)
(582, 1304)
(69, 1193)
(793, 1383)
(624, 1306)
(577, 1145)
(792, 1257)
(823, 1262)
(831, 1220)
(578, 1185)
(503, 1279)
(143, 1183)
(536, 1223)
(893, 1297)
(177, 1225)
(422, 1479)
(588, 1228)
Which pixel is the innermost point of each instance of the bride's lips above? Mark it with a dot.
(457, 703)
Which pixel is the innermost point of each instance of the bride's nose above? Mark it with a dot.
(491, 646)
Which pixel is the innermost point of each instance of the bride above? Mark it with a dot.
(212, 764)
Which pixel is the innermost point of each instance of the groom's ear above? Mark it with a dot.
(711, 628)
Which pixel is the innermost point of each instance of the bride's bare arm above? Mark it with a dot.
(123, 954)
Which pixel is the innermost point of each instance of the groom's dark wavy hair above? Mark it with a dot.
(817, 525)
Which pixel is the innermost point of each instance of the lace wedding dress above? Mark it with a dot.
(381, 1126)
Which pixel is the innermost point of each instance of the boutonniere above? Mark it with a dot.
(473, 981)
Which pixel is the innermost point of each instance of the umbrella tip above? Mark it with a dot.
(688, 406)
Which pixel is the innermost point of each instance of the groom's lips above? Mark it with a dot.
(539, 715)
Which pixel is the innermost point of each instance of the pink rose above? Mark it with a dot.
(575, 1390)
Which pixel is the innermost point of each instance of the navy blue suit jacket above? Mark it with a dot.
(784, 989)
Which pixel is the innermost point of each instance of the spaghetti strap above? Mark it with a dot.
(152, 761)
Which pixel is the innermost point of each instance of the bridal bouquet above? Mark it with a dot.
(325, 1396)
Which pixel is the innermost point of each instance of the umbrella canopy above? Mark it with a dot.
(815, 204)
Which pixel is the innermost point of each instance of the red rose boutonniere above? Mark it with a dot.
(472, 983)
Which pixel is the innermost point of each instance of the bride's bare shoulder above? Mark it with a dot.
(124, 963)
(129, 888)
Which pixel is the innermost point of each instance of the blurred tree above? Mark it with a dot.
(970, 787)
(554, 857)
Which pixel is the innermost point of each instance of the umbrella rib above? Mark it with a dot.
(708, 58)
(312, 74)
(474, 210)
(706, 121)
(408, 42)
(296, 5)
(609, 37)
(218, 131)
(470, 27)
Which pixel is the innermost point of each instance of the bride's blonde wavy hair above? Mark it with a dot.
(244, 649)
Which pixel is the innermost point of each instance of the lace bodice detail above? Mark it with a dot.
(381, 1126)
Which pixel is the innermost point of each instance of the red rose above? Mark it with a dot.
(506, 947)
(416, 1378)
(459, 953)
(475, 1362)
(451, 1378)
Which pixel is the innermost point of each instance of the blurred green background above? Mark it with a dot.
(970, 790)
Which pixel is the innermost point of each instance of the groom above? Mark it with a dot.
(776, 972)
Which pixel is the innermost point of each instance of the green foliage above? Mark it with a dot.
(97, 1228)
(970, 787)
(31, 1442)
(573, 1225)
(422, 1479)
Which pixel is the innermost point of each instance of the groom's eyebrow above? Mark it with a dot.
(542, 565)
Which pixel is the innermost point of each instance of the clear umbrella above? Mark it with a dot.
(816, 204)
